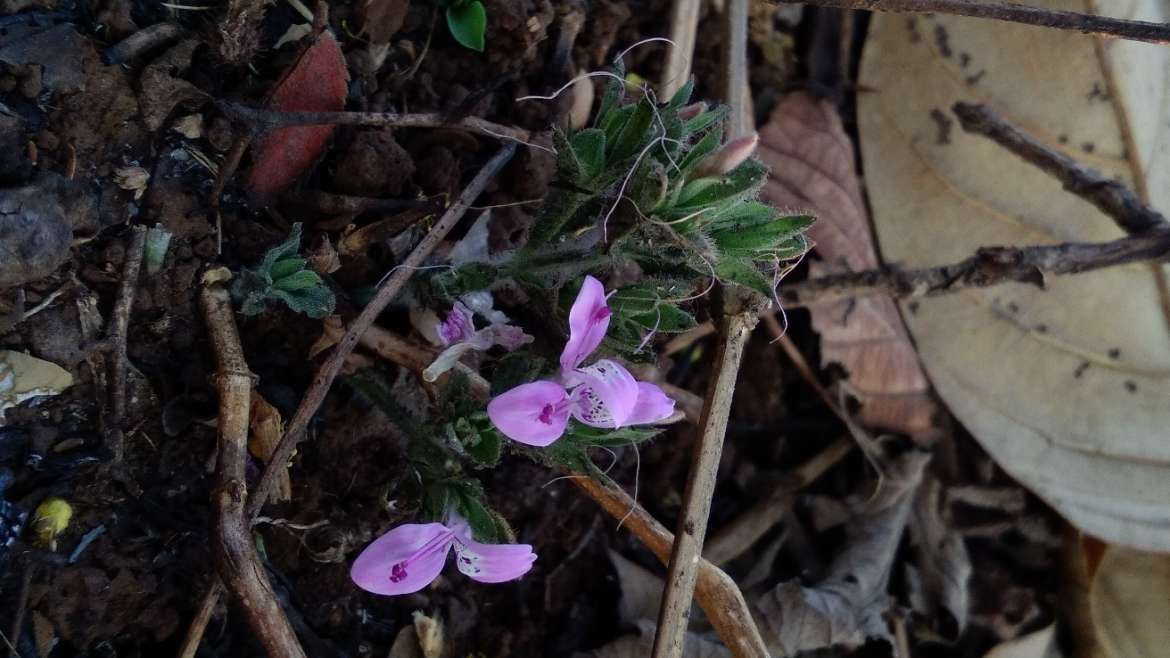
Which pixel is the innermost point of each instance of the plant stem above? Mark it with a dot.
(119, 325)
(235, 552)
(1015, 13)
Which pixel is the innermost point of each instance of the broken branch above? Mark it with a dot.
(1015, 13)
(119, 325)
(236, 558)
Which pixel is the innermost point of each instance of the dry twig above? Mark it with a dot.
(1015, 13)
(684, 22)
(715, 591)
(235, 552)
(262, 120)
(116, 358)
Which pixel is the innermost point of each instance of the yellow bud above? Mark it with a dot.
(49, 520)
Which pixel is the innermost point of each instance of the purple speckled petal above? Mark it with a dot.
(588, 322)
(404, 560)
(509, 337)
(493, 563)
(605, 396)
(459, 325)
(534, 414)
(653, 405)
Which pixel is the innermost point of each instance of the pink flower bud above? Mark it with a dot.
(691, 111)
(728, 157)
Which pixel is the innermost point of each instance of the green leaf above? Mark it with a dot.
(286, 249)
(615, 90)
(743, 272)
(514, 369)
(740, 183)
(702, 148)
(297, 280)
(634, 134)
(761, 236)
(704, 120)
(589, 148)
(285, 267)
(682, 96)
(483, 445)
(316, 302)
(468, 23)
(585, 435)
(469, 503)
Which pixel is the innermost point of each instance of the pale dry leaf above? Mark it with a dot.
(332, 329)
(190, 126)
(641, 590)
(23, 377)
(1129, 601)
(132, 179)
(847, 608)
(1065, 387)
(381, 19)
(265, 429)
(405, 644)
(944, 567)
(323, 258)
(432, 639)
(1041, 644)
(293, 34)
(812, 168)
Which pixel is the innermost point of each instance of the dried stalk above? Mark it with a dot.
(235, 552)
(715, 591)
(737, 326)
(684, 23)
(116, 359)
(692, 525)
(1015, 13)
(262, 120)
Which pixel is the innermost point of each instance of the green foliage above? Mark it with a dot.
(282, 276)
(648, 188)
(467, 21)
(571, 451)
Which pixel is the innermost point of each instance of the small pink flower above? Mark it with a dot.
(459, 336)
(603, 394)
(410, 557)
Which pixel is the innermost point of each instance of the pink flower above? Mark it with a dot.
(603, 394)
(410, 557)
(728, 157)
(459, 336)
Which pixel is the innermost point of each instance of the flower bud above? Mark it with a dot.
(728, 157)
(49, 520)
(691, 111)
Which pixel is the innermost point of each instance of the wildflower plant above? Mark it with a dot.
(648, 195)
(283, 276)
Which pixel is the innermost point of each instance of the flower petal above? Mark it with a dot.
(404, 560)
(459, 325)
(588, 322)
(534, 414)
(493, 563)
(447, 360)
(509, 337)
(605, 396)
(653, 405)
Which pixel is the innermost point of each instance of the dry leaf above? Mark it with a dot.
(943, 565)
(316, 82)
(1041, 644)
(266, 428)
(23, 377)
(293, 34)
(190, 126)
(431, 638)
(1066, 387)
(1129, 601)
(381, 19)
(323, 258)
(811, 159)
(132, 179)
(847, 608)
(641, 590)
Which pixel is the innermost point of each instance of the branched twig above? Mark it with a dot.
(315, 395)
(716, 592)
(262, 120)
(1111, 196)
(235, 552)
(988, 267)
(1015, 13)
(116, 358)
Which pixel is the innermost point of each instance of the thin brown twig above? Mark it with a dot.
(692, 527)
(236, 557)
(989, 266)
(116, 358)
(739, 318)
(202, 618)
(715, 591)
(315, 395)
(262, 120)
(1111, 196)
(1015, 13)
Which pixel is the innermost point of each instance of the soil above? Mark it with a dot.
(134, 560)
